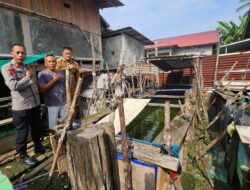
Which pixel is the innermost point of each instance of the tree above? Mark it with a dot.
(245, 4)
(231, 32)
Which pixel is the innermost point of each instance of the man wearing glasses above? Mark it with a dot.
(25, 104)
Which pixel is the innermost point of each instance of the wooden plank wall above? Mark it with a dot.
(150, 70)
(83, 13)
(225, 63)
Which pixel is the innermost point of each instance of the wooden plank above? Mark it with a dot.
(165, 96)
(167, 133)
(143, 177)
(62, 163)
(5, 99)
(163, 105)
(152, 155)
(244, 133)
(132, 107)
(6, 121)
(172, 90)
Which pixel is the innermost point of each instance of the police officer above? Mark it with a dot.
(25, 104)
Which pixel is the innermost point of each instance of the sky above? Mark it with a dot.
(167, 18)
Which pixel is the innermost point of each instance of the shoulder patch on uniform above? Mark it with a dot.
(11, 71)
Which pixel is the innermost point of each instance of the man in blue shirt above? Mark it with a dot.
(52, 83)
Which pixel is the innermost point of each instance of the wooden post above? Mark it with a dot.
(104, 95)
(68, 90)
(91, 155)
(246, 177)
(126, 160)
(167, 135)
(68, 122)
(217, 63)
(228, 72)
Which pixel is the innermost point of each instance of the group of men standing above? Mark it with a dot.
(26, 112)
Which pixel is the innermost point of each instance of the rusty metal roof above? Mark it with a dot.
(167, 63)
(195, 39)
(130, 32)
(108, 3)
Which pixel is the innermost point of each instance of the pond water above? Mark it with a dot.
(149, 123)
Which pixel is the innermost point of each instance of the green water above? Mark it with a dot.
(149, 123)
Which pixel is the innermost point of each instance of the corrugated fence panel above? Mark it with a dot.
(225, 63)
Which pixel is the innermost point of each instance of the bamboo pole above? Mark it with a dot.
(181, 106)
(200, 89)
(205, 168)
(211, 144)
(67, 125)
(217, 63)
(228, 72)
(104, 95)
(127, 164)
(214, 120)
(68, 90)
(245, 74)
(37, 169)
(167, 134)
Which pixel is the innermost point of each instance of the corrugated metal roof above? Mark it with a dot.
(130, 32)
(167, 63)
(196, 39)
(108, 3)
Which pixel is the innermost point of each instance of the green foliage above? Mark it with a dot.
(245, 4)
(231, 32)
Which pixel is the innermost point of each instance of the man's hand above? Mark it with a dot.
(72, 66)
(28, 73)
(57, 77)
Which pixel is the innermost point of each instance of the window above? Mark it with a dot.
(66, 5)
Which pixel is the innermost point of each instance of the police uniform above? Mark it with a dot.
(25, 106)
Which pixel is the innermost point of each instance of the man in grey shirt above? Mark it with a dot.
(52, 83)
(25, 103)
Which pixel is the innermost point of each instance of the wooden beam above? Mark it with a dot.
(5, 99)
(214, 120)
(125, 150)
(217, 63)
(165, 96)
(150, 154)
(163, 105)
(6, 121)
(167, 134)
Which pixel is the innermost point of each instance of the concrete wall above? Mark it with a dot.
(121, 49)
(10, 29)
(40, 35)
(196, 50)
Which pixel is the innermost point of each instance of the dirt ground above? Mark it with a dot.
(59, 182)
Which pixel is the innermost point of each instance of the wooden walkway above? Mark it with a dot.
(14, 169)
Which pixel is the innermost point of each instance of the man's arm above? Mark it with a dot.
(43, 87)
(12, 82)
